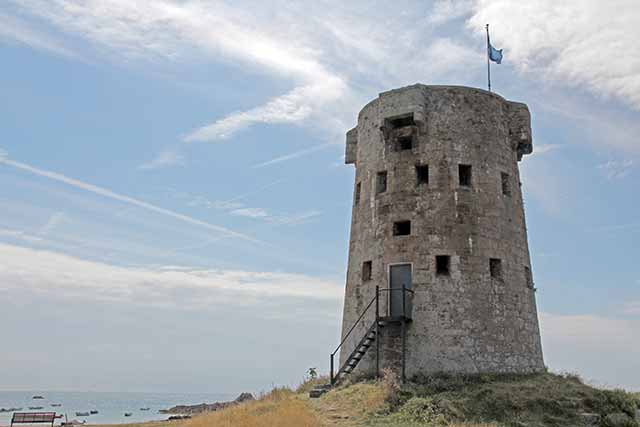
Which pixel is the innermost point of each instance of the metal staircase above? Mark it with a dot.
(370, 337)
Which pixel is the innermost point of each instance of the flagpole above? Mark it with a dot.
(488, 64)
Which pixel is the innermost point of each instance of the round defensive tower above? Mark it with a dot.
(438, 227)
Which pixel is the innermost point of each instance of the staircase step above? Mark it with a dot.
(317, 392)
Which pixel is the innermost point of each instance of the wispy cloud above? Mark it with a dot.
(164, 159)
(559, 41)
(251, 212)
(20, 236)
(238, 206)
(15, 30)
(23, 269)
(293, 107)
(277, 219)
(294, 155)
(616, 169)
(328, 68)
(222, 231)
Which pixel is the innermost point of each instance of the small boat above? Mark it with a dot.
(35, 407)
(144, 409)
(38, 397)
(82, 414)
(128, 414)
(93, 412)
(55, 405)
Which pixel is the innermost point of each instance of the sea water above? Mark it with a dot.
(111, 406)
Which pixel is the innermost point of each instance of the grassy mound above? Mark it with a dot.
(443, 400)
(508, 400)
(279, 408)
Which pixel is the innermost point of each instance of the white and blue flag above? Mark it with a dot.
(495, 54)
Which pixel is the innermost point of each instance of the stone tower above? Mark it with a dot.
(438, 210)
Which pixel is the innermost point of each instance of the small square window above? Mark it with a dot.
(464, 175)
(357, 194)
(506, 188)
(402, 228)
(442, 265)
(381, 182)
(402, 121)
(366, 271)
(405, 143)
(422, 174)
(495, 268)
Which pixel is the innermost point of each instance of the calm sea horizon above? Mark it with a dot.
(111, 406)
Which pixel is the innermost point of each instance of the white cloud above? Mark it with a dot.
(20, 235)
(163, 159)
(320, 50)
(582, 43)
(615, 169)
(446, 10)
(165, 28)
(579, 343)
(3, 154)
(251, 212)
(276, 219)
(12, 29)
(44, 272)
(224, 232)
(293, 107)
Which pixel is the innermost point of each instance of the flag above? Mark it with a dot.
(495, 54)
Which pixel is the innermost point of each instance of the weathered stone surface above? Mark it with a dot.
(467, 321)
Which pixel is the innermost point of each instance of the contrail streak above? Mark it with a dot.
(121, 198)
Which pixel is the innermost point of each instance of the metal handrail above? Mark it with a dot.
(403, 289)
(375, 299)
(355, 324)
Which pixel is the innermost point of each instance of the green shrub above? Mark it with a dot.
(618, 420)
(438, 412)
(607, 402)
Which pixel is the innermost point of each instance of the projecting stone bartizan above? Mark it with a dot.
(438, 210)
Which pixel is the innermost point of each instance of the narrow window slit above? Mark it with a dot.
(442, 265)
(506, 189)
(464, 175)
(422, 174)
(381, 182)
(366, 271)
(495, 268)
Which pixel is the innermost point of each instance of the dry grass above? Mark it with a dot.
(279, 408)
(349, 406)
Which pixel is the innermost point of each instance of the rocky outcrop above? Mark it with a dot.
(206, 407)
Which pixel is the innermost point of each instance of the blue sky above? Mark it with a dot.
(175, 206)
